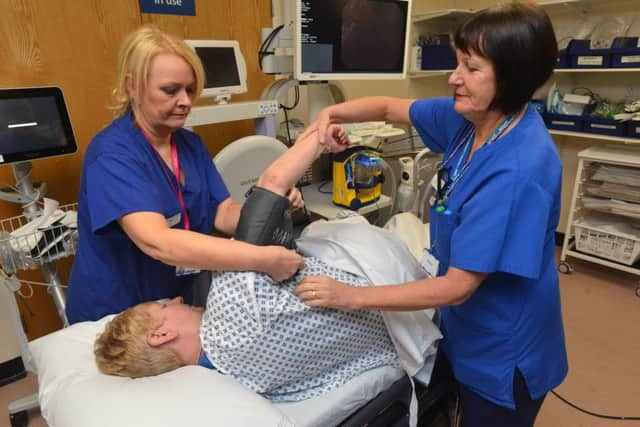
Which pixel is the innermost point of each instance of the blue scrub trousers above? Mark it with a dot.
(480, 412)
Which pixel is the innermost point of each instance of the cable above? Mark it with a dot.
(594, 414)
(320, 190)
(285, 109)
(262, 52)
(286, 123)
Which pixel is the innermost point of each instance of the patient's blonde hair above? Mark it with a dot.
(122, 349)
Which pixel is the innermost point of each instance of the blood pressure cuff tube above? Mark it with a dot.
(265, 220)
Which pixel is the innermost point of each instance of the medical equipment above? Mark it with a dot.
(357, 39)
(35, 125)
(406, 189)
(224, 68)
(226, 74)
(357, 177)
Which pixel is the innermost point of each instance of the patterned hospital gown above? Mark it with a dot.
(258, 331)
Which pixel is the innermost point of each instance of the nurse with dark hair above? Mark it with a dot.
(494, 213)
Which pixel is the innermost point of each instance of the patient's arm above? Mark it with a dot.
(283, 173)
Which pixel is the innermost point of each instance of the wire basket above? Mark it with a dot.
(25, 247)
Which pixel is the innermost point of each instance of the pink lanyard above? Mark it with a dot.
(176, 170)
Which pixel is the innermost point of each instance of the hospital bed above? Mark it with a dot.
(72, 393)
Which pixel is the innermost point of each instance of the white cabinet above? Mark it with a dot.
(601, 199)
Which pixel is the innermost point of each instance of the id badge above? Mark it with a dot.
(429, 263)
(186, 271)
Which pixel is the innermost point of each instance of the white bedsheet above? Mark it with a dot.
(360, 248)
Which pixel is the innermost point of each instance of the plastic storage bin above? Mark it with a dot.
(633, 128)
(582, 56)
(604, 126)
(440, 55)
(563, 122)
(563, 59)
(593, 239)
(625, 52)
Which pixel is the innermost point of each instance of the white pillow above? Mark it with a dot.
(73, 393)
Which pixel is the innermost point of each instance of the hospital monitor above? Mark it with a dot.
(34, 124)
(224, 67)
(351, 39)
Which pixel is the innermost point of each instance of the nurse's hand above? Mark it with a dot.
(295, 199)
(324, 291)
(281, 263)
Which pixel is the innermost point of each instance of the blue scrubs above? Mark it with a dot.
(121, 174)
(501, 220)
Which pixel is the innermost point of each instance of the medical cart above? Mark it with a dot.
(604, 220)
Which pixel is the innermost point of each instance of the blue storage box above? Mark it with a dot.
(563, 122)
(563, 59)
(582, 56)
(439, 56)
(625, 52)
(633, 128)
(604, 126)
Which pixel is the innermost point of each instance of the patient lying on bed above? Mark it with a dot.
(255, 330)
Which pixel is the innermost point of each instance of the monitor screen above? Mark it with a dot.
(34, 123)
(351, 39)
(224, 66)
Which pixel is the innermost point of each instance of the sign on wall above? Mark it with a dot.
(169, 7)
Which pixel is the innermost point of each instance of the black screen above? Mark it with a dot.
(34, 123)
(353, 36)
(220, 66)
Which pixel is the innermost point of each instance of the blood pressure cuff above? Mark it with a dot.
(265, 220)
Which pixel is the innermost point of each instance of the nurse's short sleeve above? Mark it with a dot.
(503, 228)
(436, 121)
(118, 184)
(217, 188)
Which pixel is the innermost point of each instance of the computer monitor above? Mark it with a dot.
(224, 67)
(34, 123)
(351, 39)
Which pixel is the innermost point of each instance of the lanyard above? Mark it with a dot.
(176, 171)
(465, 143)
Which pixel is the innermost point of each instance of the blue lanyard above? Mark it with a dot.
(465, 143)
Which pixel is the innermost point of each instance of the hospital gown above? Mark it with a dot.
(260, 332)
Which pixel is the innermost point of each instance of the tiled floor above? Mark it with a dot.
(602, 322)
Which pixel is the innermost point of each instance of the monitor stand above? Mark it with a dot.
(22, 172)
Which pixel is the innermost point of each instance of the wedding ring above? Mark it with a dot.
(313, 294)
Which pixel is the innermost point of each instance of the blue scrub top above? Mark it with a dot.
(121, 174)
(501, 220)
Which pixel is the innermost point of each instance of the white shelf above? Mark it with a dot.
(444, 14)
(321, 203)
(626, 140)
(433, 73)
(559, 3)
(596, 70)
(428, 73)
(616, 155)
